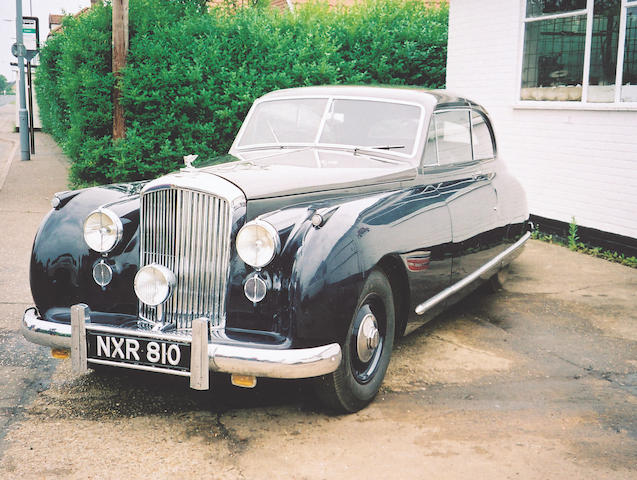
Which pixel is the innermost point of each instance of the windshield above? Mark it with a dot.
(358, 123)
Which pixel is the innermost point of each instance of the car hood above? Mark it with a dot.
(268, 174)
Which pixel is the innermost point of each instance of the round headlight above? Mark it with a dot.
(258, 243)
(102, 230)
(154, 284)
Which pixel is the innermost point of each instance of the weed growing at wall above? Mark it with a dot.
(192, 75)
(573, 243)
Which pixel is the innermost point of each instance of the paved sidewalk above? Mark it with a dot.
(26, 189)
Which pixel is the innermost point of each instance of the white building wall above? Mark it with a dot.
(572, 162)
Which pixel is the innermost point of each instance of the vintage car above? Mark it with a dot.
(343, 218)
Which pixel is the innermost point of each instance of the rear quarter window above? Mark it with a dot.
(453, 135)
(458, 136)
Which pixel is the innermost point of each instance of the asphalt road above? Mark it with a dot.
(5, 99)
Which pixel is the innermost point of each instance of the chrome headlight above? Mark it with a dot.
(102, 230)
(154, 283)
(258, 243)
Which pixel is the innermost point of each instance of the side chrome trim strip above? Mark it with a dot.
(485, 270)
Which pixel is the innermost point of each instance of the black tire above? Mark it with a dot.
(356, 382)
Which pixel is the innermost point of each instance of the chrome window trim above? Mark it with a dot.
(330, 100)
(435, 118)
(494, 146)
(460, 163)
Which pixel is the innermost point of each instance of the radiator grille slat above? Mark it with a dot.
(189, 233)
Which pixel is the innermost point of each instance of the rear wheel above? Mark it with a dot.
(366, 349)
(497, 281)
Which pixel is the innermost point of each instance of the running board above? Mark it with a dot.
(492, 266)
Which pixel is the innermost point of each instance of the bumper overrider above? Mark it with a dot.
(239, 358)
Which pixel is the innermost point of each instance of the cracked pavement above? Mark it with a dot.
(537, 381)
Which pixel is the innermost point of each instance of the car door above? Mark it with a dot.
(464, 143)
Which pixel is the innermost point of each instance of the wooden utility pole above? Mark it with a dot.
(120, 49)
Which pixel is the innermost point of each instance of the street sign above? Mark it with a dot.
(18, 50)
(31, 33)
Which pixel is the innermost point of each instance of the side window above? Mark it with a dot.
(453, 133)
(482, 142)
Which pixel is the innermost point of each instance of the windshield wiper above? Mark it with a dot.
(386, 147)
(378, 147)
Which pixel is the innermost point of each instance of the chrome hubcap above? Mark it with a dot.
(367, 338)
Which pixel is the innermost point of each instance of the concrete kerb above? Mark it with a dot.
(7, 138)
(6, 164)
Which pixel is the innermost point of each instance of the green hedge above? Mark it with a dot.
(192, 75)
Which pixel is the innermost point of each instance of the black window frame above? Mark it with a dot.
(586, 97)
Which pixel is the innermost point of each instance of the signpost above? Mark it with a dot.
(31, 33)
(26, 47)
(19, 50)
(31, 40)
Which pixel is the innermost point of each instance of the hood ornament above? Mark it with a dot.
(188, 159)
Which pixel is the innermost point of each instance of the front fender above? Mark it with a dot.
(62, 264)
(320, 268)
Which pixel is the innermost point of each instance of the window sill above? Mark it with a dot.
(553, 105)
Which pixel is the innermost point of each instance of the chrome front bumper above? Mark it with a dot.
(242, 359)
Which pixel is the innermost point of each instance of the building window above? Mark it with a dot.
(580, 51)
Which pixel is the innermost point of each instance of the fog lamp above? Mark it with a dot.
(154, 284)
(255, 288)
(102, 273)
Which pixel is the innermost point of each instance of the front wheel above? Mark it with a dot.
(366, 349)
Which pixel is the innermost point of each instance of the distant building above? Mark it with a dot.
(55, 20)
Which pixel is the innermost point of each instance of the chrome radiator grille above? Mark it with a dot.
(189, 233)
